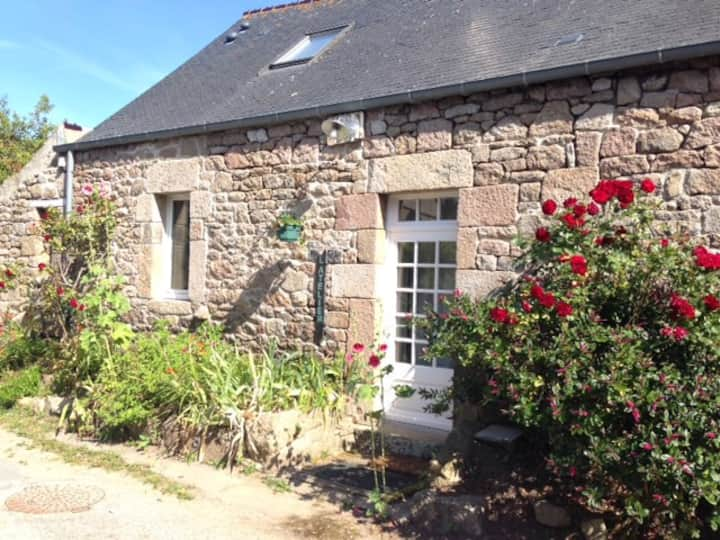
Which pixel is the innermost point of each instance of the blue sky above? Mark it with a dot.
(91, 57)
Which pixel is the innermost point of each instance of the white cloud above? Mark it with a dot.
(87, 67)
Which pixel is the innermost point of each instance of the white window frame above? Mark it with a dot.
(289, 57)
(411, 231)
(170, 293)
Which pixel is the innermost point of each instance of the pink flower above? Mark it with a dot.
(712, 435)
(647, 446)
(358, 348)
(383, 348)
(349, 358)
(374, 361)
(680, 333)
(105, 190)
(87, 190)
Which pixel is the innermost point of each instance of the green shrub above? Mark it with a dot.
(201, 380)
(19, 384)
(19, 349)
(608, 346)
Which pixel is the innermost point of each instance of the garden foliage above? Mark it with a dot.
(607, 346)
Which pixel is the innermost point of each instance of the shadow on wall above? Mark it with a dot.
(262, 285)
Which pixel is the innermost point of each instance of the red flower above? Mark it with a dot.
(603, 241)
(603, 192)
(60, 291)
(680, 333)
(383, 348)
(705, 259)
(664, 242)
(549, 207)
(537, 292)
(47, 237)
(571, 221)
(74, 303)
(682, 307)
(526, 306)
(564, 309)
(712, 435)
(9, 273)
(647, 446)
(712, 303)
(578, 263)
(499, 315)
(2, 284)
(593, 209)
(42, 267)
(374, 361)
(648, 186)
(548, 300)
(580, 210)
(570, 202)
(82, 307)
(542, 234)
(358, 348)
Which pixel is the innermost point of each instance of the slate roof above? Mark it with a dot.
(402, 49)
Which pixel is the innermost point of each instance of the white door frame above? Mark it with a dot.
(410, 409)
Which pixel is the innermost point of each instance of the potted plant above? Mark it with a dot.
(289, 228)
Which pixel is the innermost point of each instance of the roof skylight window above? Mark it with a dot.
(308, 48)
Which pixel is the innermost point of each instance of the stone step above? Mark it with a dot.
(401, 440)
(506, 437)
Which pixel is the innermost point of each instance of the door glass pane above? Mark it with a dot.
(404, 302)
(448, 252)
(406, 252)
(448, 208)
(426, 252)
(424, 303)
(426, 278)
(180, 234)
(445, 363)
(406, 278)
(446, 279)
(428, 209)
(404, 352)
(407, 210)
(422, 358)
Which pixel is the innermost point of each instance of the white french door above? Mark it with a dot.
(421, 268)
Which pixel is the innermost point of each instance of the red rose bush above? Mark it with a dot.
(608, 348)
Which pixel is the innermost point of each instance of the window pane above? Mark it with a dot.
(407, 210)
(422, 359)
(424, 303)
(446, 280)
(403, 328)
(426, 252)
(404, 352)
(420, 334)
(404, 302)
(406, 252)
(428, 209)
(180, 234)
(426, 278)
(448, 252)
(447, 363)
(448, 208)
(406, 277)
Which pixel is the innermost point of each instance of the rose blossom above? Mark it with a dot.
(542, 234)
(578, 263)
(374, 361)
(564, 309)
(87, 190)
(712, 303)
(593, 209)
(648, 186)
(74, 303)
(499, 315)
(42, 267)
(570, 202)
(549, 207)
(358, 348)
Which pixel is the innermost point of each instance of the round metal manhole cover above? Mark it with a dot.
(54, 499)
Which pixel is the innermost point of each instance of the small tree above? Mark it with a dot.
(608, 347)
(22, 136)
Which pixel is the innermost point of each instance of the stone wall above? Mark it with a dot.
(39, 185)
(504, 152)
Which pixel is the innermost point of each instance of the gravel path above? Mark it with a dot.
(224, 506)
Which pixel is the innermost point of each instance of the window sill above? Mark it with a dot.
(170, 307)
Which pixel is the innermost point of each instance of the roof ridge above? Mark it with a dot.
(279, 7)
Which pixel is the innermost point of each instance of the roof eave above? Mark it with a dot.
(520, 79)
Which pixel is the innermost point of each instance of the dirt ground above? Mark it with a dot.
(224, 506)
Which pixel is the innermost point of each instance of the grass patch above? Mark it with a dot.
(39, 430)
(19, 384)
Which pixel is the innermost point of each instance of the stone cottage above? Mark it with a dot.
(415, 139)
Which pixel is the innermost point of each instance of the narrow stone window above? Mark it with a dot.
(177, 246)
